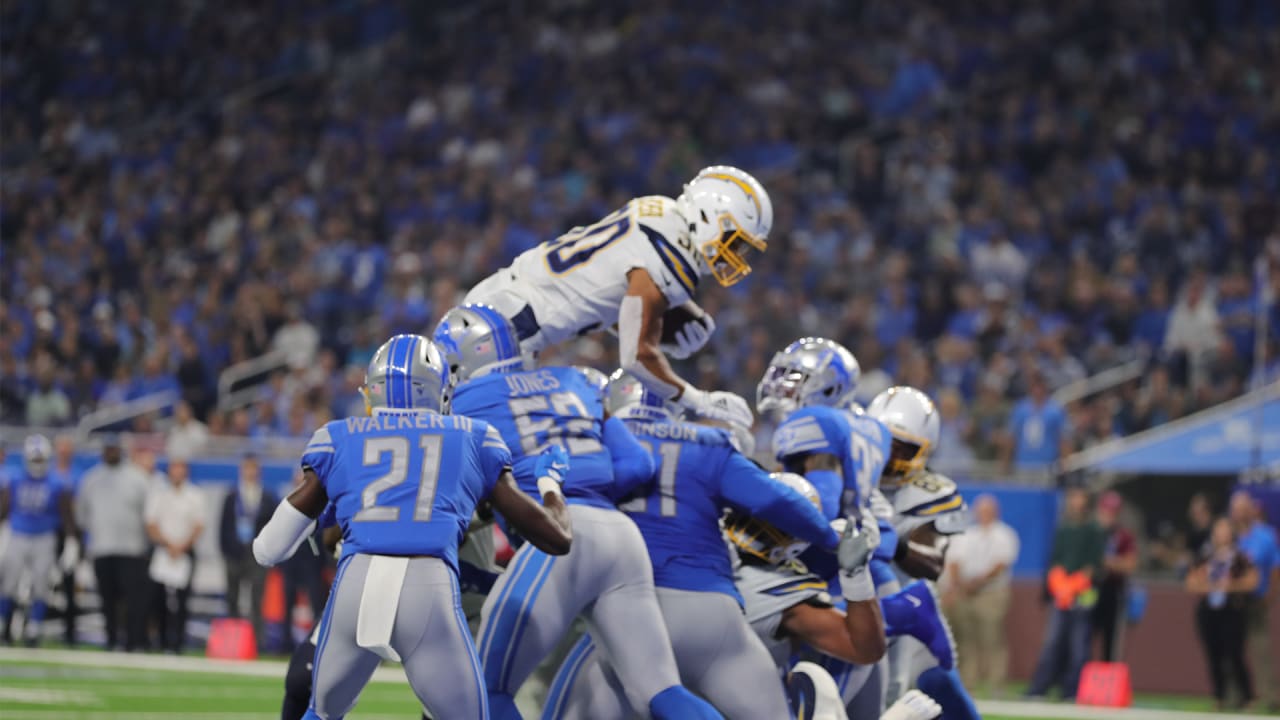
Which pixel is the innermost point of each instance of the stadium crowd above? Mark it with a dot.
(988, 200)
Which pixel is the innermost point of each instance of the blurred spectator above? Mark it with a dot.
(187, 436)
(978, 570)
(1119, 561)
(1257, 540)
(68, 475)
(1224, 578)
(245, 511)
(953, 454)
(1194, 329)
(175, 520)
(297, 338)
(110, 508)
(1038, 426)
(1078, 545)
(47, 404)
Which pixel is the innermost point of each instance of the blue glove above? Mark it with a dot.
(550, 468)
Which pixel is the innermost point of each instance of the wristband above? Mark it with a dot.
(548, 485)
(858, 586)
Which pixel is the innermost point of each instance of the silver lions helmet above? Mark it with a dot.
(595, 378)
(36, 454)
(810, 371)
(407, 372)
(628, 399)
(478, 340)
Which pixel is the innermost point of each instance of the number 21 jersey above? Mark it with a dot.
(405, 482)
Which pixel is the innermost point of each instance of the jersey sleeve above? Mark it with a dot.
(319, 454)
(495, 456)
(748, 488)
(658, 229)
(800, 433)
(632, 464)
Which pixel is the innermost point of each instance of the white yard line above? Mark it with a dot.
(170, 663)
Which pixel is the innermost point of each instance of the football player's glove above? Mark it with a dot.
(550, 468)
(915, 705)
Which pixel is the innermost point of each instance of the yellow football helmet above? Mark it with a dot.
(763, 541)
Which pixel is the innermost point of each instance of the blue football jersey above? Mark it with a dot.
(33, 504)
(536, 409)
(699, 474)
(861, 443)
(406, 482)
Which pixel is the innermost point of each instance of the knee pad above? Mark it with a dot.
(945, 688)
(677, 703)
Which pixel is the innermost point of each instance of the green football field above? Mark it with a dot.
(89, 685)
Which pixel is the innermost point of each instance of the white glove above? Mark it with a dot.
(915, 705)
(722, 406)
(70, 555)
(858, 542)
(691, 336)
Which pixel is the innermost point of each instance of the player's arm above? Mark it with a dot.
(67, 511)
(749, 488)
(632, 464)
(640, 336)
(822, 470)
(919, 554)
(856, 637)
(547, 525)
(292, 522)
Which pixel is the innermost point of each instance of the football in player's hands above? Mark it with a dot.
(685, 329)
(553, 463)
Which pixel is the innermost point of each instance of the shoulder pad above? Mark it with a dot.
(926, 493)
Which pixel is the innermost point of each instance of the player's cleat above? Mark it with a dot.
(813, 693)
(915, 611)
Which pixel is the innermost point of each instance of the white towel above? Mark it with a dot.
(378, 603)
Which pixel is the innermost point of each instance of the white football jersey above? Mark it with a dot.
(924, 497)
(575, 284)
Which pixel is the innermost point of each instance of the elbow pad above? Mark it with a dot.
(630, 324)
(282, 535)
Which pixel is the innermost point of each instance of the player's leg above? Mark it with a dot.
(434, 643)
(718, 655)
(297, 680)
(13, 563)
(341, 667)
(585, 687)
(643, 661)
(526, 613)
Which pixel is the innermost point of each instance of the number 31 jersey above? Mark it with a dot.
(405, 482)
(575, 283)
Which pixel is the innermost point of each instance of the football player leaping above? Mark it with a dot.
(637, 269)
